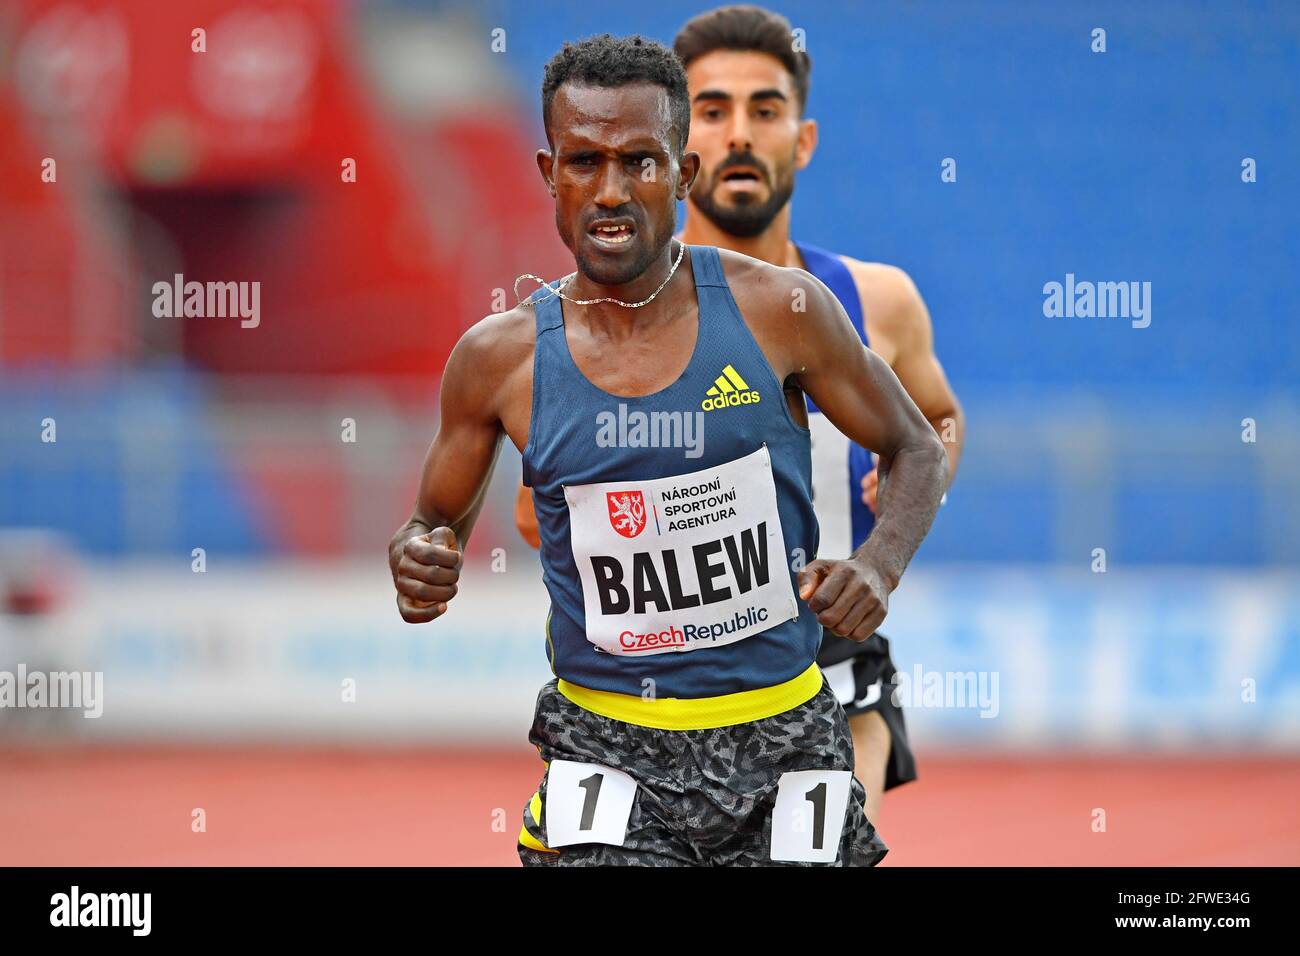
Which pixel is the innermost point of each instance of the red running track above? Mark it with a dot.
(132, 807)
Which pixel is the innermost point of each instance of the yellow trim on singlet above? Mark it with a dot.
(697, 713)
(530, 841)
(526, 838)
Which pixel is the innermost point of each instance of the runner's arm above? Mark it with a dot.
(862, 397)
(455, 476)
(905, 320)
(526, 516)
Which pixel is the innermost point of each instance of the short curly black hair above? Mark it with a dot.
(610, 61)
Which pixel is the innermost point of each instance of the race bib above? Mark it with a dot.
(676, 564)
(587, 803)
(809, 815)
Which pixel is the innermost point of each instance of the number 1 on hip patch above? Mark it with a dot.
(809, 815)
(587, 803)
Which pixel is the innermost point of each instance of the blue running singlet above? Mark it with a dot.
(671, 524)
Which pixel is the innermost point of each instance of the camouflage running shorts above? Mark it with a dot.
(770, 792)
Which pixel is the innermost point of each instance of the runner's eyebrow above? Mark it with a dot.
(637, 147)
(769, 94)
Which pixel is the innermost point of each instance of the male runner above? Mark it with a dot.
(749, 91)
(688, 723)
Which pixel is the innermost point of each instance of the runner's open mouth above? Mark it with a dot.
(612, 230)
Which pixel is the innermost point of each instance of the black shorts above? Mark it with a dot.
(862, 677)
(699, 797)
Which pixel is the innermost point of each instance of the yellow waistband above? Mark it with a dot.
(698, 713)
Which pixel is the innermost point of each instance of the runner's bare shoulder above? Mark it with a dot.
(780, 305)
(494, 358)
(890, 301)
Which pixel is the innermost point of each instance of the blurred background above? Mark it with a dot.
(198, 508)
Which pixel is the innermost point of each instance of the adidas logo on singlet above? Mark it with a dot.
(729, 389)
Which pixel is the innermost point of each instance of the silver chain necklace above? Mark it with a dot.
(557, 290)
